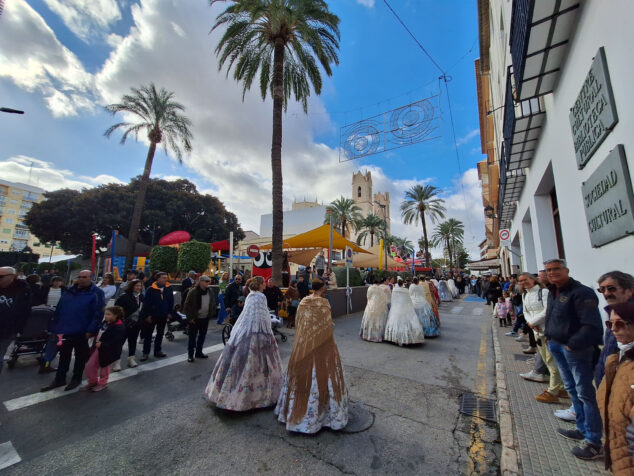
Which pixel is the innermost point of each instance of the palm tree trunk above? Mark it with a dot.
(343, 227)
(135, 222)
(422, 219)
(276, 160)
(371, 239)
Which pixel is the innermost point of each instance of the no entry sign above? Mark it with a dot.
(253, 251)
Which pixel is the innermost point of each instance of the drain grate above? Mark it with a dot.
(480, 407)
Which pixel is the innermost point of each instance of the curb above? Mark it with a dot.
(509, 462)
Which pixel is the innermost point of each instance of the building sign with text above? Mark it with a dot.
(593, 114)
(608, 200)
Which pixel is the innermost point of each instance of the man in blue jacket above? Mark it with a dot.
(158, 307)
(574, 332)
(77, 316)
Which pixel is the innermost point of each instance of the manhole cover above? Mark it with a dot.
(480, 407)
(359, 418)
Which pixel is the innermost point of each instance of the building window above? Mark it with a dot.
(37, 244)
(14, 201)
(12, 212)
(16, 192)
(9, 221)
(359, 192)
(4, 242)
(6, 230)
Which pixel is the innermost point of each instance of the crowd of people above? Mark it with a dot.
(559, 318)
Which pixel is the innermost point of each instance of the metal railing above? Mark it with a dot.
(521, 16)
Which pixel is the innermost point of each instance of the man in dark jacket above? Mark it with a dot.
(273, 295)
(77, 315)
(302, 287)
(574, 332)
(187, 284)
(158, 307)
(200, 307)
(15, 306)
(233, 292)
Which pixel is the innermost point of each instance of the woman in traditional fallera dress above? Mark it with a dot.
(423, 309)
(388, 292)
(443, 291)
(431, 299)
(248, 373)
(453, 289)
(314, 393)
(375, 314)
(402, 325)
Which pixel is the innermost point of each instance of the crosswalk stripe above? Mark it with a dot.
(478, 311)
(34, 399)
(8, 455)
(457, 309)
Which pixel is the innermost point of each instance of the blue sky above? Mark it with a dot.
(63, 60)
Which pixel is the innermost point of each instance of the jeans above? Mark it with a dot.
(199, 327)
(146, 333)
(79, 344)
(576, 369)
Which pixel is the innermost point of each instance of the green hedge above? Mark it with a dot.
(355, 277)
(163, 258)
(194, 255)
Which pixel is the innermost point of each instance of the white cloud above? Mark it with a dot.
(86, 18)
(466, 138)
(366, 3)
(33, 58)
(43, 174)
(114, 40)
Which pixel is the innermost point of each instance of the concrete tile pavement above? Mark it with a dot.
(540, 449)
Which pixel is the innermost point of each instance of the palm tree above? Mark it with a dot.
(371, 225)
(284, 41)
(421, 202)
(160, 117)
(450, 234)
(403, 245)
(456, 233)
(344, 213)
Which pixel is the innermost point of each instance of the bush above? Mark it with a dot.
(355, 277)
(163, 258)
(194, 255)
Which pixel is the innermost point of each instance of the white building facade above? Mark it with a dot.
(560, 73)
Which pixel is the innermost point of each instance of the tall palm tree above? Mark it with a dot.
(450, 234)
(283, 42)
(345, 214)
(421, 202)
(371, 225)
(157, 114)
(456, 233)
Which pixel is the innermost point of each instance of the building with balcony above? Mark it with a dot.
(555, 117)
(16, 199)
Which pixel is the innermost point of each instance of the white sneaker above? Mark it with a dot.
(116, 366)
(522, 338)
(131, 362)
(566, 415)
(511, 334)
(534, 377)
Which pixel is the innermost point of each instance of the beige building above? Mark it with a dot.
(16, 199)
(368, 202)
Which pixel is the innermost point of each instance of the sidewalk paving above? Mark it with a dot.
(541, 450)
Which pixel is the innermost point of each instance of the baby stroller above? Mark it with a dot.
(178, 323)
(33, 338)
(276, 323)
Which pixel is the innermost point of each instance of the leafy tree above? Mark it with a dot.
(345, 214)
(370, 226)
(160, 117)
(164, 258)
(282, 42)
(421, 202)
(462, 256)
(355, 277)
(194, 255)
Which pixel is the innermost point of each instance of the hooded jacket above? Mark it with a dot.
(79, 311)
(572, 316)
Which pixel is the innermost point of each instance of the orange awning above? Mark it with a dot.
(318, 238)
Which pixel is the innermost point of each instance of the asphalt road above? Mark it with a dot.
(156, 421)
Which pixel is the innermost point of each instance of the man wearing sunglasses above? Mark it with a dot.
(15, 306)
(616, 287)
(574, 332)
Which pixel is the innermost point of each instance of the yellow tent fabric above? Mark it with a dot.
(372, 259)
(318, 238)
(303, 257)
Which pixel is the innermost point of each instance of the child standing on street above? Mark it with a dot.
(106, 349)
(501, 311)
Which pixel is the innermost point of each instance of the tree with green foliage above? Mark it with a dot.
(422, 202)
(345, 214)
(194, 255)
(161, 118)
(449, 234)
(371, 226)
(282, 43)
(164, 258)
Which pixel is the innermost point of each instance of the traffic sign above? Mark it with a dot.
(348, 254)
(505, 237)
(253, 251)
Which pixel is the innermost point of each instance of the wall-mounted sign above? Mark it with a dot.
(505, 237)
(609, 200)
(593, 114)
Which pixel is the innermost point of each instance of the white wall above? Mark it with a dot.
(295, 221)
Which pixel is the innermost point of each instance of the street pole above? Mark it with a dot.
(230, 254)
(329, 245)
(92, 253)
(113, 254)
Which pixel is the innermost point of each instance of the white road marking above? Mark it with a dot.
(478, 311)
(8, 455)
(457, 309)
(34, 399)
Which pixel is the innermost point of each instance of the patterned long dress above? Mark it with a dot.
(424, 311)
(444, 292)
(248, 373)
(403, 326)
(375, 315)
(314, 393)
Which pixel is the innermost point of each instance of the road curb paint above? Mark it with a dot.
(8, 455)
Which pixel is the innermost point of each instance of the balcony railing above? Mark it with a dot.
(30, 196)
(520, 29)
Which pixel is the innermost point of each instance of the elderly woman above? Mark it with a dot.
(616, 393)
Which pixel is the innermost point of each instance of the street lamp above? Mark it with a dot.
(11, 111)
(489, 212)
